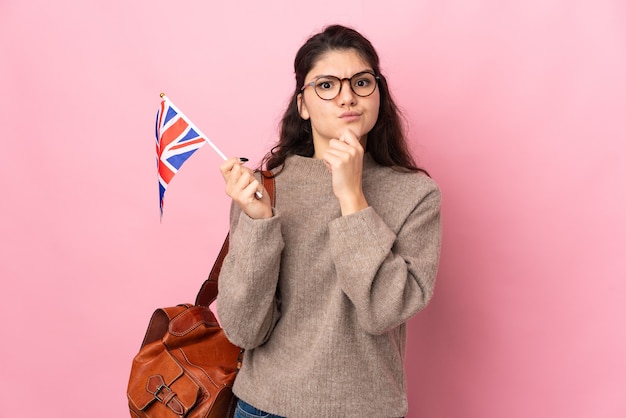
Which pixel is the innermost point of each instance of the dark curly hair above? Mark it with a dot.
(386, 142)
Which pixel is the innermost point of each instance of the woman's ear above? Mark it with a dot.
(302, 110)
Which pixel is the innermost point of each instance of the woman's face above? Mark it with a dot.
(329, 118)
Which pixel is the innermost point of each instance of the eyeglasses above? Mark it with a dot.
(328, 87)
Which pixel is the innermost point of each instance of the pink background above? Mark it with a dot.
(516, 108)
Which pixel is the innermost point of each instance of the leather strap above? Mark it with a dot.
(162, 393)
(208, 291)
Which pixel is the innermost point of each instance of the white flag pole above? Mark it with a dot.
(195, 128)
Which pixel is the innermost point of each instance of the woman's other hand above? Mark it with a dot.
(344, 158)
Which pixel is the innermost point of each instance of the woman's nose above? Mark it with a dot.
(346, 95)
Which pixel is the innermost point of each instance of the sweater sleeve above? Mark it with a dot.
(388, 276)
(247, 305)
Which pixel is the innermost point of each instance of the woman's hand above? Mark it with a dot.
(241, 186)
(344, 158)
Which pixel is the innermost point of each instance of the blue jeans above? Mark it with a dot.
(245, 410)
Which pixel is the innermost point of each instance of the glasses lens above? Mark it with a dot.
(363, 84)
(327, 87)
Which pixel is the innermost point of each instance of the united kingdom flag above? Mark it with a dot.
(176, 139)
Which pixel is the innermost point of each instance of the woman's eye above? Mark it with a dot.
(325, 84)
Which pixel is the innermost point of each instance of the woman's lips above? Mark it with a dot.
(350, 116)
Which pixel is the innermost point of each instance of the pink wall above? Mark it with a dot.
(517, 109)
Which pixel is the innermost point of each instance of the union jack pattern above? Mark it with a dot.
(176, 139)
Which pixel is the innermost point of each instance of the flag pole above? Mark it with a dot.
(195, 128)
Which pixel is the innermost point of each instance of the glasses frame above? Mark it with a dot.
(341, 80)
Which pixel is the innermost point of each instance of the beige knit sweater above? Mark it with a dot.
(320, 301)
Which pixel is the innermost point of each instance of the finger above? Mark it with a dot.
(341, 150)
(245, 190)
(349, 136)
(338, 146)
(334, 156)
(231, 179)
(241, 169)
(243, 178)
(227, 166)
(238, 179)
(252, 189)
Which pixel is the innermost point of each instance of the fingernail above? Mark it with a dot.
(243, 159)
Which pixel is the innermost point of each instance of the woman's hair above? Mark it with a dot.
(386, 142)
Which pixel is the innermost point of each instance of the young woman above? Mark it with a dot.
(318, 288)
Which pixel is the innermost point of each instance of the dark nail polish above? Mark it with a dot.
(243, 159)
